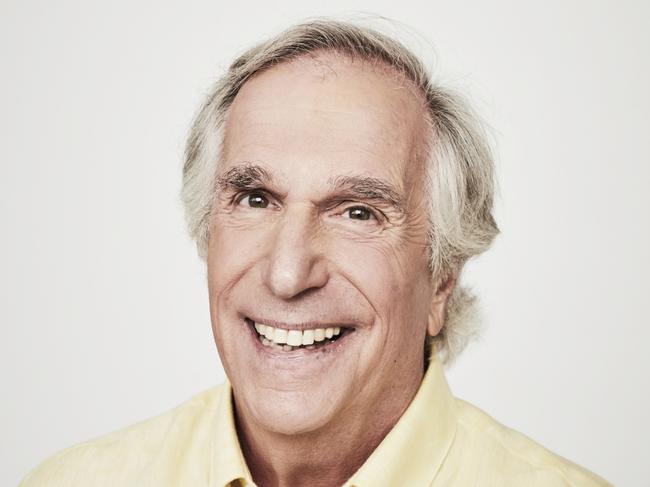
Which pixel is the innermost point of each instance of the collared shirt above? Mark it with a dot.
(439, 441)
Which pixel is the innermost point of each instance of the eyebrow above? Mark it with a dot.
(249, 176)
(244, 176)
(368, 188)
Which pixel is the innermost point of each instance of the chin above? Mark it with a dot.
(292, 412)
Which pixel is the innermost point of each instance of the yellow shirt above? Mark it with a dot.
(439, 441)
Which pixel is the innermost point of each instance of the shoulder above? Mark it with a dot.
(514, 458)
(137, 454)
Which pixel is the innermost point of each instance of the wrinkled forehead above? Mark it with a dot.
(330, 106)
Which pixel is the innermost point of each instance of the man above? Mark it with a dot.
(335, 194)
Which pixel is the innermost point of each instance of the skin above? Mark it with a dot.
(301, 237)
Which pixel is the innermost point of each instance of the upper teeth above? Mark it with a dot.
(296, 338)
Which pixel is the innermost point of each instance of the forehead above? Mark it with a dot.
(328, 114)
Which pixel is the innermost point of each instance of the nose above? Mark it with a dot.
(295, 263)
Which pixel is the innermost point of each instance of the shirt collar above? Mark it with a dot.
(411, 453)
(228, 464)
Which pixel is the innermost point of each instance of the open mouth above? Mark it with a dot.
(292, 339)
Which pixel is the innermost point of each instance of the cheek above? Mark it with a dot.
(233, 249)
(394, 281)
(392, 276)
(232, 253)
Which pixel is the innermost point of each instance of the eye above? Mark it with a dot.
(360, 213)
(255, 200)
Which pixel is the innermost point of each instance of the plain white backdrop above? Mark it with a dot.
(103, 307)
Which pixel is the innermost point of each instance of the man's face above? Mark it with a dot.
(319, 235)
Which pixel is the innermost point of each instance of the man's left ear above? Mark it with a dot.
(439, 305)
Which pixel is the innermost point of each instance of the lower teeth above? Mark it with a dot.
(289, 348)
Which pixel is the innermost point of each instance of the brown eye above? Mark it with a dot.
(256, 200)
(360, 213)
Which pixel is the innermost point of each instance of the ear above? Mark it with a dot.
(439, 305)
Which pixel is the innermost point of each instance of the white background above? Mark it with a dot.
(103, 311)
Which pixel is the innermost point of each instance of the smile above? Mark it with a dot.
(296, 339)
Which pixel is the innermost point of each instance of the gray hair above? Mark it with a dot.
(459, 169)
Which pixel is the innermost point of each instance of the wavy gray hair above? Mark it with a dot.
(459, 170)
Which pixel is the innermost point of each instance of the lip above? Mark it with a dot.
(324, 350)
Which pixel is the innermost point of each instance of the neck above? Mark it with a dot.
(323, 458)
